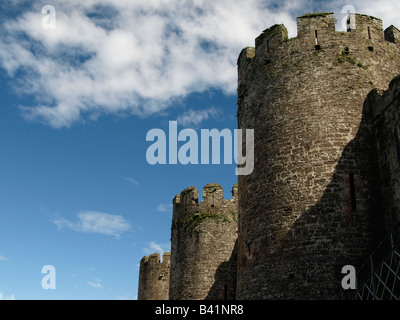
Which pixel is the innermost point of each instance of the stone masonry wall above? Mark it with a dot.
(384, 108)
(154, 277)
(203, 239)
(312, 203)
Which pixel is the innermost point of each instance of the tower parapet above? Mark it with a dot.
(203, 239)
(154, 277)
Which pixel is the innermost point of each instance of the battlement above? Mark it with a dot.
(155, 259)
(270, 38)
(317, 31)
(213, 194)
(154, 277)
(186, 205)
(316, 27)
(189, 196)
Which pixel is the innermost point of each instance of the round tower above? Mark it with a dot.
(203, 245)
(154, 277)
(311, 204)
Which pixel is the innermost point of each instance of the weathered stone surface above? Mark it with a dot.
(154, 277)
(313, 202)
(384, 109)
(203, 238)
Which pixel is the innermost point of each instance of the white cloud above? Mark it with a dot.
(157, 247)
(96, 222)
(129, 57)
(127, 297)
(162, 207)
(136, 57)
(96, 283)
(387, 10)
(195, 117)
(2, 258)
(2, 297)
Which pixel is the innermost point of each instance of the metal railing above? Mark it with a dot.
(379, 276)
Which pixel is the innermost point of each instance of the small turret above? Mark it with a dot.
(203, 238)
(154, 277)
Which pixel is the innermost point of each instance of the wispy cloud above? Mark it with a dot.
(2, 258)
(2, 297)
(96, 222)
(195, 117)
(131, 180)
(96, 283)
(157, 247)
(140, 57)
(128, 57)
(162, 207)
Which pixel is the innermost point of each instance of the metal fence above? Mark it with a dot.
(379, 276)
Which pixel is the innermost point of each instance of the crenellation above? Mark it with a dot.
(368, 27)
(213, 194)
(189, 196)
(316, 28)
(270, 39)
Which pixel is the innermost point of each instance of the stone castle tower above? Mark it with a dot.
(313, 201)
(154, 277)
(203, 239)
(326, 180)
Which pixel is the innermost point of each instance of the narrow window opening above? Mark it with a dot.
(369, 33)
(353, 193)
(371, 49)
(317, 44)
(267, 46)
(212, 201)
(225, 292)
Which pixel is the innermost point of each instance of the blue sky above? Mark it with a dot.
(76, 103)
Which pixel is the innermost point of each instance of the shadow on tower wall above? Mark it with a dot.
(342, 228)
(224, 286)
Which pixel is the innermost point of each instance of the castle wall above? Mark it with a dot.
(203, 239)
(154, 277)
(312, 203)
(385, 112)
